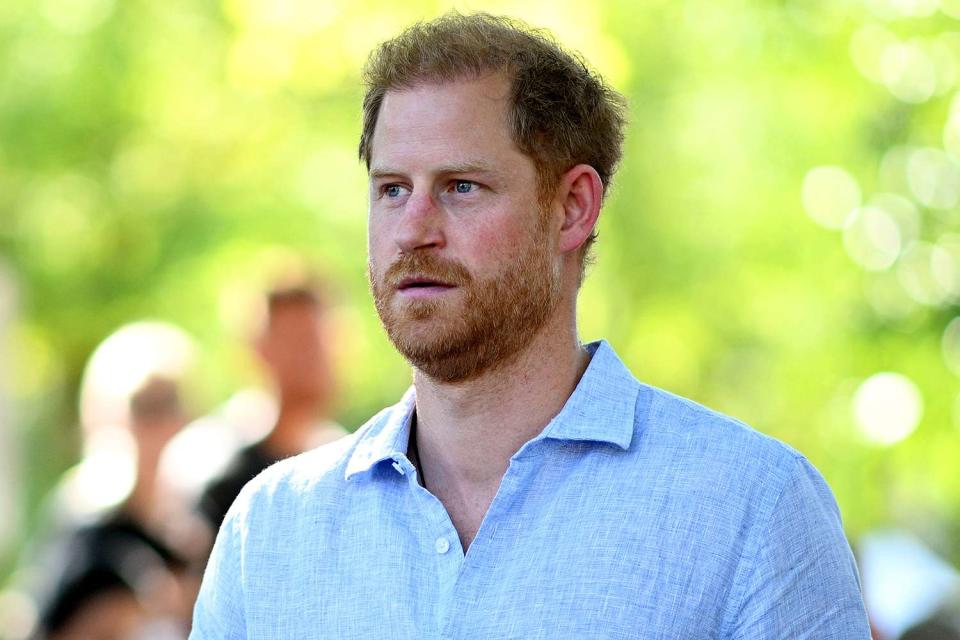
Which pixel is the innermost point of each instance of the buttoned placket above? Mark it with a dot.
(458, 582)
(470, 580)
(439, 539)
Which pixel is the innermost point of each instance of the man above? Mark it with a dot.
(110, 570)
(526, 486)
(117, 575)
(293, 345)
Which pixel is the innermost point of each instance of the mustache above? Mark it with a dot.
(426, 266)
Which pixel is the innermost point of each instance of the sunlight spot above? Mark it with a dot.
(908, 72)
(892, 175)
(887, 408)
(77, 16)
(903, 211)
(916, 272)
(951, 347)
(830, 195)
(872, 239)
(934, 178)
(866, 49)
(950, 8)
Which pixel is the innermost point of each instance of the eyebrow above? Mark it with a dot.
(465, 167)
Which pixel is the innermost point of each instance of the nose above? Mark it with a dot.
(421, 224)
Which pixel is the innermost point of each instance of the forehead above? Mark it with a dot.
(454, 121)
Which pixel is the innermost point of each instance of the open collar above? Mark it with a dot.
(600, 409)
(385, 436)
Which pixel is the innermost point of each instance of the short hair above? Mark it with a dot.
(561, 113)
(157, 398)
(304, 295)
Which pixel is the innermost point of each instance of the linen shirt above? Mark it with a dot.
(634, 514)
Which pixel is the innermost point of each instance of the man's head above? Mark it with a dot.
(560, 113)
(156, 415)
(483, 191)
(294, 345)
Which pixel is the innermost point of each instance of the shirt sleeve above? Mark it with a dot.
(802, 581)
(219, 613)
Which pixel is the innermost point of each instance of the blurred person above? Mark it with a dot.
(110, 571)
(937, 628)
(294, 345)
(941, 624)
(910, 590)
(526, 486)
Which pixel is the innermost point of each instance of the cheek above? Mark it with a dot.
(378, 242)
(501, 242)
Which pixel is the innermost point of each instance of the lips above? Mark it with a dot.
(422, 275)
(422, 282)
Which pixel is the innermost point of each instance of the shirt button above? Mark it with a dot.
(442, 545)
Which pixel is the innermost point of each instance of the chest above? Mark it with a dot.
(466, 508)
(554, 555)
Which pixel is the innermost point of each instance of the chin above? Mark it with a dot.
(416, 335)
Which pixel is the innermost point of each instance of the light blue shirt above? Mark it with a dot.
(634, 514)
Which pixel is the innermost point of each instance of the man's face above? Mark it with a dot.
(295, 348)
(463, 260)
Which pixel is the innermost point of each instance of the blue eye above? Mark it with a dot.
(464, 186)
(392, 190)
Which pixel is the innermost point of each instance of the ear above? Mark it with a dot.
(580, 193)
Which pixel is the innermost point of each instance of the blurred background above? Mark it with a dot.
(782, 242)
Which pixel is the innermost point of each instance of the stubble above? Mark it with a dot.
(493, 321)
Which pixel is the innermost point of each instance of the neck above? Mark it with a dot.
(290, 434)
(141, 503)
(467, 432)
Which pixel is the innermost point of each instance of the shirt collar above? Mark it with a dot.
(386, 437)
(600, 409)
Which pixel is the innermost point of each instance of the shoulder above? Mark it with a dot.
(314, 478)
(304, 473)
(711, 460)
(709, 437)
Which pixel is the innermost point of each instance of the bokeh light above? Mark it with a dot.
(866, 49)
(908, 72)
(76, 16)
(892, 174)
(943, 50)
(903, 211)
(916, 272)
(886, 297)
(951, 346)
(830, 195)
(951, 129)
(872, 238)
(945, 268)
(914, 8)
(950, 8)
(887, 408)
(934, 178)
